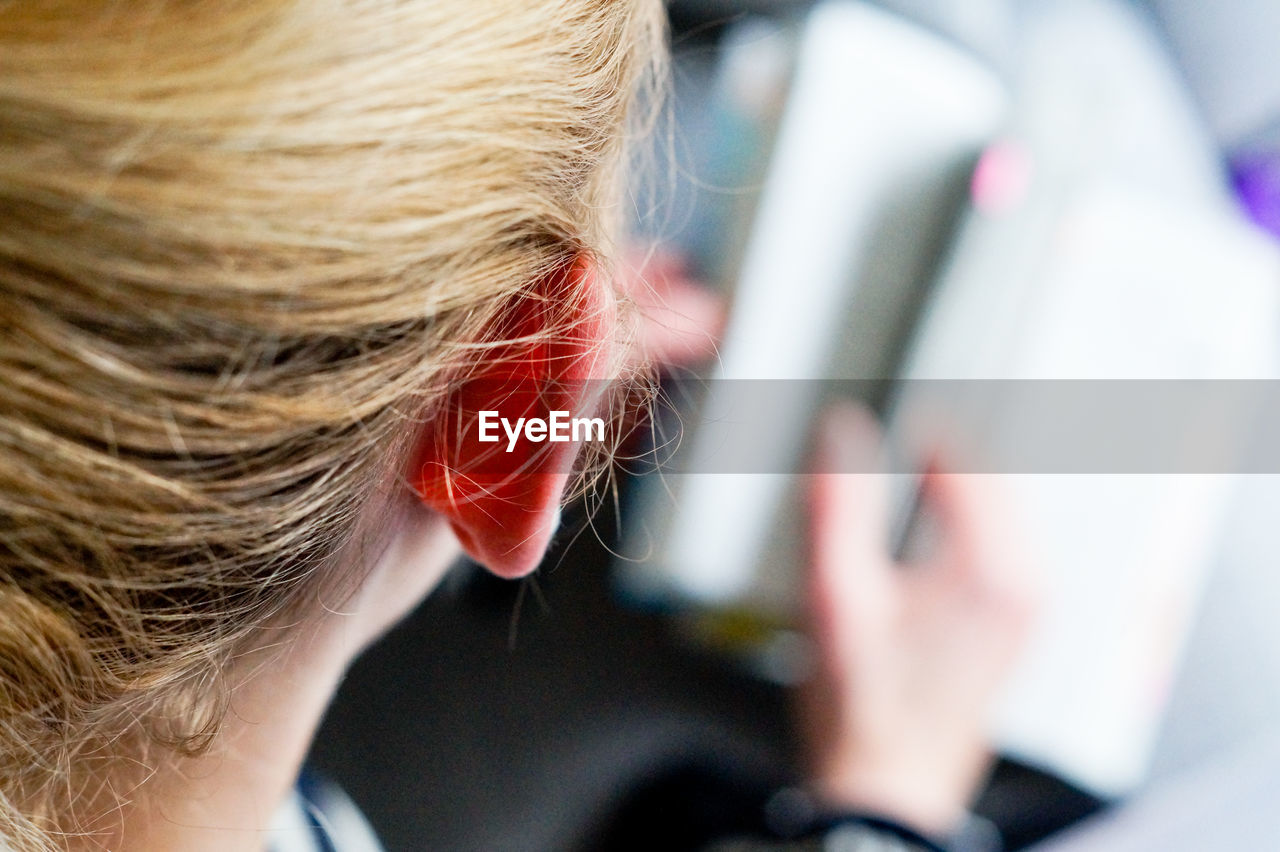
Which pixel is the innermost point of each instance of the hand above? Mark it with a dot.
(909, 657)
(678, 320)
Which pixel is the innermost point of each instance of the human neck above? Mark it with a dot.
(224, 799)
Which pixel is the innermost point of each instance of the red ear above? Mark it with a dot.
(502, 495)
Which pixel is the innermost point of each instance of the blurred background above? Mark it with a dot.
(949, 190)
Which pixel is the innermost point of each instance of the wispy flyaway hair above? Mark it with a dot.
(244, 245)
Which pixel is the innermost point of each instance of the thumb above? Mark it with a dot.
(849, 567)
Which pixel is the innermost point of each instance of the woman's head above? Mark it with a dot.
(245, 248)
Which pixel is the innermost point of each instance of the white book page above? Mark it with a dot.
(1132, 288)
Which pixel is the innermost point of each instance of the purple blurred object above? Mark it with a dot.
(1257, 181)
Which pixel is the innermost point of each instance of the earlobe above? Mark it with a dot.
(505, 526)
(500, 490)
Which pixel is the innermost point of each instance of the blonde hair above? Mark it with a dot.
(243, 245)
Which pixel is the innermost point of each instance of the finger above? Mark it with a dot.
(849, 571)
(679, 320)
(682, 328)
(849, 499)
(977, 536)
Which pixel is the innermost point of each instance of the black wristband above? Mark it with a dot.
(792, 813)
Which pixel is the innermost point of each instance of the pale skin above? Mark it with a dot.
(224, 800)
(907, 662)
(909, 656)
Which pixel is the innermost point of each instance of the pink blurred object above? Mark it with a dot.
(1001, 178)
(680, 320)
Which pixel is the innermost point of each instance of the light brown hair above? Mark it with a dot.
(243, 246)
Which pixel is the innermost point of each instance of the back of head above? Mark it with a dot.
(243, 244)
